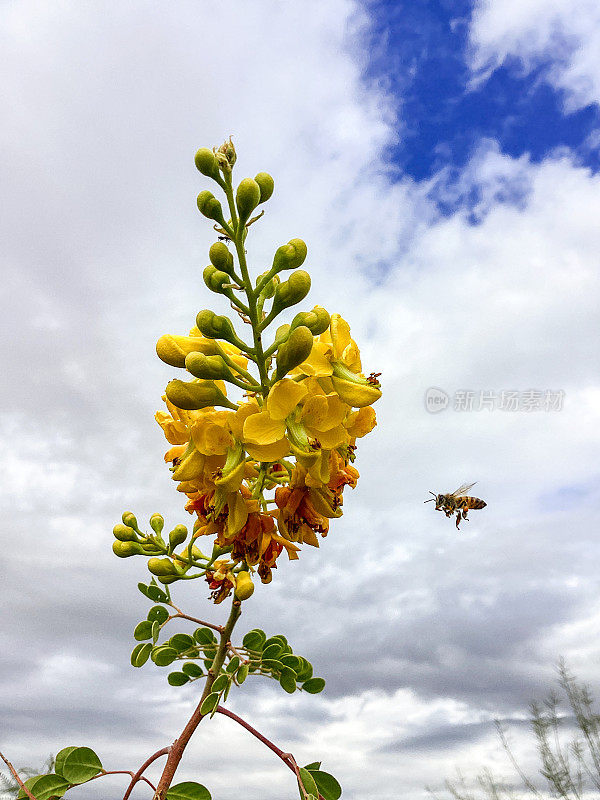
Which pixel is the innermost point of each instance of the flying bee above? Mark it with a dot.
(457, 502)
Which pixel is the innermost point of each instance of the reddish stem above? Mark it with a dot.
(15, 775)
(138, 774)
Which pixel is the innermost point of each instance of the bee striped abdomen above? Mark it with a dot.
(469, 502)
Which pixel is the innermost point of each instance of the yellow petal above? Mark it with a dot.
(211, 439)
(340, 335)
(175, 431)
(332, 438)
(237, 514)
(351, 357)
(232, 481)
(291, 548)
(361, 422)
(262, 429)
(237, 420)
(317, 364)
(356, 395)
(268, 452)
(284, 397)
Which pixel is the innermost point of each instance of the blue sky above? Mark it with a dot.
(420, 50)
(441, 162)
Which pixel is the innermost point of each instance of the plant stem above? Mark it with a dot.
(138, 774)
(15, 775)
(177, 748)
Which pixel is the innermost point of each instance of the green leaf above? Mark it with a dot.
(181, 642)
(308, 782)
(293, 662)
(312, 766)
(156, 594)
(272, 651)
(163, 655)
(220, 683)
(44, 787)
(306, 670)
(140, 654)
(254, 639)
(314, 685)
(242, 673)
(143, 589)
(81, 765)
(143, 631)
(327, 785)
(188, 791)
(275, 666)
(177, 678)
(192, 670)
(210, 703)
(158, 614)
(233, 664)
(204, 636)
(155, 631)
(280, 638)
(287, 679)
(61, 755)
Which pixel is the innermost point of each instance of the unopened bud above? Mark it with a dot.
(214, 326)
(126, 549)
(173, 349)
(290, 255)
(294, 350)
(221, 257)
(129, 519)
(206, 163)
(292, 291)
(178, 535)
(243, 586)
(157, 523)
(162, 566)
(209, 206)
(195, 395)
(124, 533)
(266, 184)
(208, 367)
(317, 320)
(247, 198)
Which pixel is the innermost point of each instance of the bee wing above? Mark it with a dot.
(462, 489)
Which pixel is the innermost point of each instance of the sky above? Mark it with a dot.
(441, 161)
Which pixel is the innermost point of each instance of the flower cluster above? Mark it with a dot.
(262, 438)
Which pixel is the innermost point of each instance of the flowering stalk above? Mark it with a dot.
(262, 443)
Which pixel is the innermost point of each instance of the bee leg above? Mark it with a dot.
(458, 518)
(464, 514)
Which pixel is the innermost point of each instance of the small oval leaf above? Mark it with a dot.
(204, 636)
(81, 765)
(177, 678)
(314, 685)
(45, 787)
(188, 791)
(254, 639)
(192, 670)
(140, 654)
(181, 642)
(142, 630)
(327, 785)
(242, 673)
(62, 754)
(308, 782)
(210, 703)
(163, 656)
(158, 614)
(287, 679)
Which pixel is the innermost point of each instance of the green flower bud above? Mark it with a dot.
(206, 163)
(247, 198)
(195, 395)
(173, 349)
(290, 292)
(215, 327)
(221, 257)
(215, 279)
(124, 533)
(208, 367)
(178, 535)
(243, 586)
(317, 320)
(209, 206)
(130, 520)
(294, 350)
(151, 548)
(126, 549)
(157, 523)
(290, 255)
(162, 566)
(226, 155)
(266, 184)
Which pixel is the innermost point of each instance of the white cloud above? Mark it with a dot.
(564, 36)
(406, 619)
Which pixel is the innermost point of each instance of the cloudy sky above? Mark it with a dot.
(441, 161)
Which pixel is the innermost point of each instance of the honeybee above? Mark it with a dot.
(457, 502)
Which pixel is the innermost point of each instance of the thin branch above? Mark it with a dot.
(117, 772)
(180, 614)
(15, 775)
(287, 758)
(238, 654)
(138, 774)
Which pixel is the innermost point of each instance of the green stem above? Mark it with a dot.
(177, 748)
